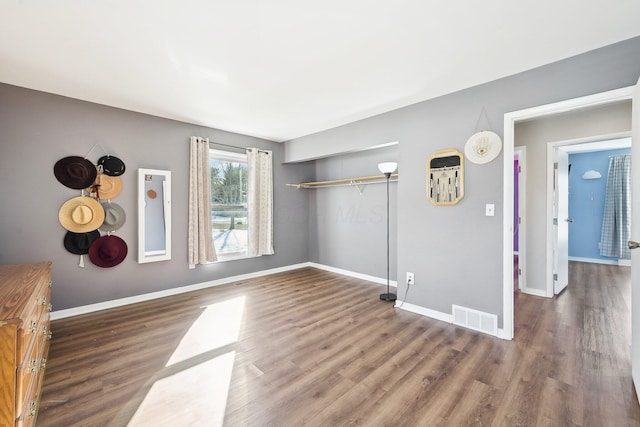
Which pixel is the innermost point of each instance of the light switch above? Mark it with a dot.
(490, 209)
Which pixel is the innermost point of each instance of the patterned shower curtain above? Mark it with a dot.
(616, 223)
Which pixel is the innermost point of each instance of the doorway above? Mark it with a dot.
(510, 120)
(560, 221)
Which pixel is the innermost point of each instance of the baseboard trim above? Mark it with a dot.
(595, 260)
(535, 292)
(85, 309)
(380, 280)
(427, 312)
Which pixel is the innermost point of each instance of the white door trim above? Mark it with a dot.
(522, 209)
(510, 119)
(550, 292)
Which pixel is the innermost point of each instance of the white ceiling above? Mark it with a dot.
(282, 69)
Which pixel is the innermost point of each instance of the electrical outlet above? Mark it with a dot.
(410, 279)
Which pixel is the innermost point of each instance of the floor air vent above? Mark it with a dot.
(476, 320)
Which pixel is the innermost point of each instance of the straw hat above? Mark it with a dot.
(106, 187)
(108, 251)
(483, 147)
(114, 217)
(75, 172)
(81, 214)
(79, 243)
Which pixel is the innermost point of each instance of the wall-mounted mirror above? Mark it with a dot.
(154, 215)
(445, 177)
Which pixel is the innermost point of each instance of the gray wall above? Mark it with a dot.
(37, 129)
(455, 251)
(348, 230)
(535, 134)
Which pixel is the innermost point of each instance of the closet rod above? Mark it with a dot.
(363, 180)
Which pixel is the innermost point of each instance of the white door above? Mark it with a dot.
(635, 236)
(561, 221)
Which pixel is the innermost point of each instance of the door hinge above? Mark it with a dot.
(519, 272)
(555, 165)
(555, 221)
(555, 277)
(519, 220)
(519, 169)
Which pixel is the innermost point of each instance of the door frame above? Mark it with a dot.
(564, 144)
(522, 210)
(510, 120)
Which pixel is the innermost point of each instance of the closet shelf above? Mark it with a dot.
(359, 182)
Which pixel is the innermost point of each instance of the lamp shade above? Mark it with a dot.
(387, 167)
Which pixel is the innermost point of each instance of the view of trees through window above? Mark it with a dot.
(229, 202)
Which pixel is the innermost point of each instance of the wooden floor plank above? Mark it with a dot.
(310, 347)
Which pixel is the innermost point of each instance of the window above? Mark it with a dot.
(229, 204)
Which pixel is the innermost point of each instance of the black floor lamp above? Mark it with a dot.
(387, 168)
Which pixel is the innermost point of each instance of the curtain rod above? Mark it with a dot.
(235, 146)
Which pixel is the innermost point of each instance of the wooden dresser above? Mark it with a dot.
(25, 303)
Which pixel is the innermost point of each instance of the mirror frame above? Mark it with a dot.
(142, 256)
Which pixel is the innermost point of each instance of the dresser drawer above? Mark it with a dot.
(28, 418)
(37, 313)
(25, 303)
(27, 376)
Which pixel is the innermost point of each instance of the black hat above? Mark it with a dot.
(111, 165)
(79, 243)
(75, 172)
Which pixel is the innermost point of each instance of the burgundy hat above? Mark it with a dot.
(108, 251)
(75, 172)
(79, 243)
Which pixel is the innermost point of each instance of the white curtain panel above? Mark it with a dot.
(201, 249)
(260, 201)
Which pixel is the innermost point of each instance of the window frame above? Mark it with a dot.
(229, 156)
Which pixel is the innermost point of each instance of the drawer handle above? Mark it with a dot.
(33, 408)
(49, 307)
(33, 327)
(45, 332)
(43, 363)
(32, 366)
(50, 283)
(43, 300)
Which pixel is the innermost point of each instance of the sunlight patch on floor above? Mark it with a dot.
(196, 394)
(218, 325)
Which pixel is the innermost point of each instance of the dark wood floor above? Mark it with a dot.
(314, 348)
